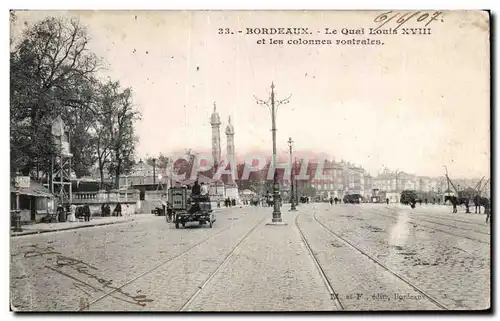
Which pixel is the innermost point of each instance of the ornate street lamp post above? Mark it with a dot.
(272, 104)
(292, 201)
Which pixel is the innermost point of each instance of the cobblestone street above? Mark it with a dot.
(365, 257)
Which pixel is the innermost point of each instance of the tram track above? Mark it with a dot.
(448, 218)
(219, 267)
(415, 216)
(350, 244)
(333, 295)
(162, 263)
(414, 220)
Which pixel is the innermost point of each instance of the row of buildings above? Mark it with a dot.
(342, 178)
(338, 179)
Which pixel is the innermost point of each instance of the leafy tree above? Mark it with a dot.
(160, 162)
(121, 132)
(51, 68)
(102, 136)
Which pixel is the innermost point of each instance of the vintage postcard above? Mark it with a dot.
(250, 161)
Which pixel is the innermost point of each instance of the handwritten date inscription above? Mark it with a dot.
(398, 19)
(75, 269)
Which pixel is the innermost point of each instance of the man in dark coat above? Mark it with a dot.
(86, 213)
(196, 190)
(118, 209)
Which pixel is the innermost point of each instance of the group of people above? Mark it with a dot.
(202, 190)
(106, 210)
(198, 189)
(228, 202)
(199, 193)
(335, 200)
(71, 212)
(455, 201)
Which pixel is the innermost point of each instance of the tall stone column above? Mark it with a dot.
(216, 150)
(230, 151)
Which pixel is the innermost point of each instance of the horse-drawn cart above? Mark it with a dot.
(190, 208)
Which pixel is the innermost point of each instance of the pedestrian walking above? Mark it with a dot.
(61, 216)
(86, 213)
(164, 205)
(118, 209)
(387, 201)
(169, 212)
(72, 213)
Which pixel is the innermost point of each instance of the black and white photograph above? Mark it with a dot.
(250, 161)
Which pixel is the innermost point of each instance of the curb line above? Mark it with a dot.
(76, 227)
(68, 228)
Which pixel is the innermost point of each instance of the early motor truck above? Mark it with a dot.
(190, 208)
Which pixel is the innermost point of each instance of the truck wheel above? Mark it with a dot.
(176, 225)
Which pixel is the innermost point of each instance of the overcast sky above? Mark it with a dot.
(416, 103)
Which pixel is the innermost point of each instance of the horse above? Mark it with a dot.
(481, 201)
(453, 200)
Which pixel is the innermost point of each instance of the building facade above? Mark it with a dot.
(340, 179)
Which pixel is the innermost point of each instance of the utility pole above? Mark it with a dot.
(272, 104)
(296, 187)
(171, 170)
(397, 180)
(292, 201)
(154, 171)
